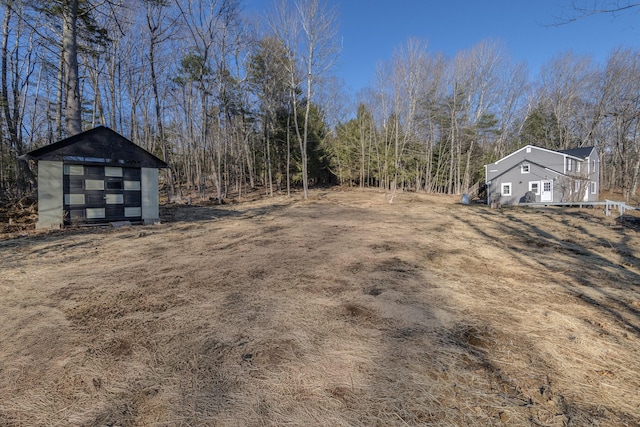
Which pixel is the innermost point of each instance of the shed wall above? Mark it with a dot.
(150, 198)
(50, 195)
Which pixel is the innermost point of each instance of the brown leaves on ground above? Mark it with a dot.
(342, 310)
(16, 216)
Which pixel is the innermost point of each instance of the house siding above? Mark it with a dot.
(594, 174)
(520, 183)
(550, 159)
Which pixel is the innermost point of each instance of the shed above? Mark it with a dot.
(97, 176)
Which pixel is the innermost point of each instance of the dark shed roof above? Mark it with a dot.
(99, 145)
(582, 152)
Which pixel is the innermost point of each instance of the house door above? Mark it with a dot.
(94, 194)
(546, 195)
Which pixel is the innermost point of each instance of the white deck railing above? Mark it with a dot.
(609, 205)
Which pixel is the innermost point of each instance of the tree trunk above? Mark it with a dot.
(303, 146)
(288, 156)
(269, 158)
(73, 105)
(154, 84)
(13, 120)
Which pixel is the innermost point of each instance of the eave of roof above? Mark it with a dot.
(542, 149)
(50, 149)
(530, 162)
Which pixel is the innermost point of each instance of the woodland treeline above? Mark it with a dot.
(235, 101)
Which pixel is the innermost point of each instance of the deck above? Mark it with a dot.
(609, 205)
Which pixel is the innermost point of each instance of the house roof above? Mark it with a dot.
(99, 145)
(524, 161)
(561, 153)
(582, 152)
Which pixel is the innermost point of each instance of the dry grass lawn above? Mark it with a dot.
(344, 310)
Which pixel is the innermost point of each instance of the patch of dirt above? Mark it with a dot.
(342, 310)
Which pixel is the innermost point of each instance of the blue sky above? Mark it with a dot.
(372, 29)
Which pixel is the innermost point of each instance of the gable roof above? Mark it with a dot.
(582, 152)
(561, 153)
(99, 145)
(527, 161)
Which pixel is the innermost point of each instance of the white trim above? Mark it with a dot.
(537, 183)
(544, 195)
(504, 193)
(537, 148)
(594, 187)
(527, 166)
(515, 152)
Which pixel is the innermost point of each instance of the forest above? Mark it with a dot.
(237, 101)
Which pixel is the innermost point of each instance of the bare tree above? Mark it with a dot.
(308, 28)
(565, 85)
(12, 97)
(158, 31)
(581, 9)
(621, 103)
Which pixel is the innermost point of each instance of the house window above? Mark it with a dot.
(526, 168)
(74, 199)
(506, 189)
(112, 171)
(132, 211)
(569, 162)
(114, 199)
(593, 188)
(534, 186)
(94, 184)
(73, 170)
(95, 213)
(132, 185)
(113, 185)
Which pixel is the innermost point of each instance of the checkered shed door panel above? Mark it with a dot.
(94, 194)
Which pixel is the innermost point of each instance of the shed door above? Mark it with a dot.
(546, 194)
(94, 194)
